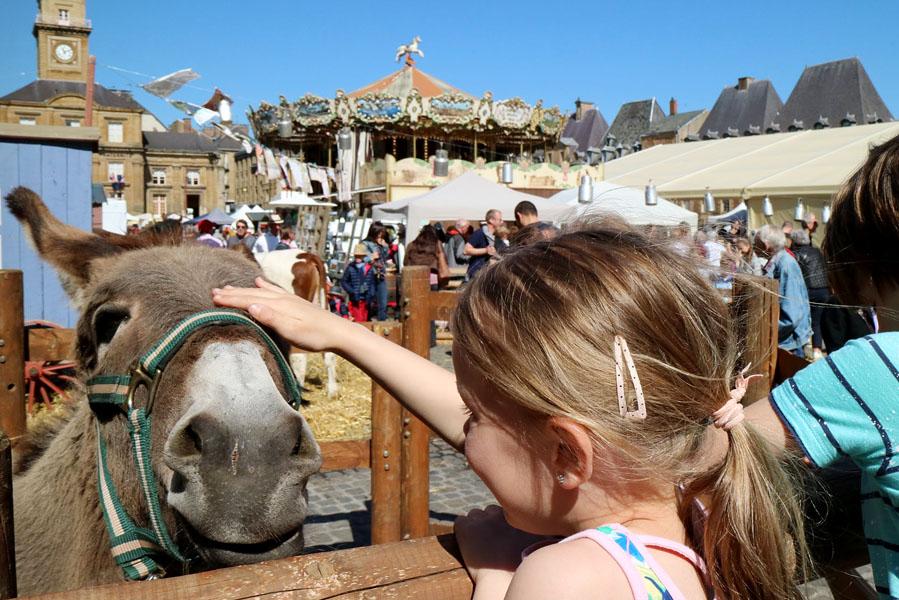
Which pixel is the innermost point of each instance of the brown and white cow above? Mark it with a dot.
(303, 274)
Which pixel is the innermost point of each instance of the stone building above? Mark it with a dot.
(133, 143)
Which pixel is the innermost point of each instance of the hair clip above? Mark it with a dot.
(622, 357)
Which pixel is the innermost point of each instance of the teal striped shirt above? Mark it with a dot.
(845, 406)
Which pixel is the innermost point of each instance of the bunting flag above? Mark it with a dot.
(200, 114)
(221, 104)
(185, 107)
(167, 85)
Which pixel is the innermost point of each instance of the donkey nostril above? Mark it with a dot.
(193, 437)
(298, 447)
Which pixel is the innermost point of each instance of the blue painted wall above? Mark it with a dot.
(60, 172)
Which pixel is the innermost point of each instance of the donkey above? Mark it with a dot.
(227, 457)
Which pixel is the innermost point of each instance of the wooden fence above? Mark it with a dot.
(397, 454)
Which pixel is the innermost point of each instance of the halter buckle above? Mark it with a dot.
(140, 377)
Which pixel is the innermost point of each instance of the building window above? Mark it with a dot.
(193, 177)
(73, 123)
(159, 207)
(116, 171)
(63, 17)
(114, 132)
(158, 176)
(26, 121)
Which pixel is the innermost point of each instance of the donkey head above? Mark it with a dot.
(229, 453)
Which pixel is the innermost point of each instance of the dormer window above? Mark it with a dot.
(753, 130)
(822, 122)
(796, 125)
(873, 118)
(773, 127)
(63, 16)
(848, 120)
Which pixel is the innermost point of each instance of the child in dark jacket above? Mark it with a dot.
(358, 282)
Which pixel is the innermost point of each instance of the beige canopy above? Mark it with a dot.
(799, 164)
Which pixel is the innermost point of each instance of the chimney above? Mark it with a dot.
(672, 107)
(186, 128)
(581, 108)
(743, 82)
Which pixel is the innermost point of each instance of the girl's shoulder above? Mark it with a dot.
(576, 569)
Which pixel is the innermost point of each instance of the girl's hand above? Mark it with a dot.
(301, 323)
(491, 549)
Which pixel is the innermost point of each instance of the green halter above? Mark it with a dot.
(133, 547)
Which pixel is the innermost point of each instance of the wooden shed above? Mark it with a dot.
(55, 162)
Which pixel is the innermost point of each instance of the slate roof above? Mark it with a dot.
(633, 121)
(673, 123)
(226, 143)
(42, 90)
(177, 142)
(832, 90)
(737, 109)
(588, 132)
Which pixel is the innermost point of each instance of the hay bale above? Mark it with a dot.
(348, 417)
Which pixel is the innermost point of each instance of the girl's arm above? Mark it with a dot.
(421, 386)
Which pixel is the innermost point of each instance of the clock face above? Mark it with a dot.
(64, 52)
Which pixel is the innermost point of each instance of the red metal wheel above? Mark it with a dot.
(42, 375)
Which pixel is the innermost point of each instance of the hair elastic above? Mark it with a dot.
(731, 414)
(623, 357)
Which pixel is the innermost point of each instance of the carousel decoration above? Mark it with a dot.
(412, 105)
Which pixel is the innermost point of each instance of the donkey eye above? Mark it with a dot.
(107, 321)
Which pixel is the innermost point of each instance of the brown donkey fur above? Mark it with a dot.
(130, 291)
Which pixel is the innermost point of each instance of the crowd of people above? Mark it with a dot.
(598, 395)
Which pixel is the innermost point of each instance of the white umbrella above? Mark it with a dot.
(295, 199)
(629, 204)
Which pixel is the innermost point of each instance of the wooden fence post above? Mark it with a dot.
(416, 337)
(756, 310)
(386, 455)
(12, 353)
(7, 536)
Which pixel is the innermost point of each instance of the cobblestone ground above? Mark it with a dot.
(340, 501)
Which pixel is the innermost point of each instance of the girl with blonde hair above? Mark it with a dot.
(597, 395)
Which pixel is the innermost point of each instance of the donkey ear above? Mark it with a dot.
(70, 250)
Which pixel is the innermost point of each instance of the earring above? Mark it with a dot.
(561, 478)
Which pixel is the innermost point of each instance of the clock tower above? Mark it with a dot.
(61, 30)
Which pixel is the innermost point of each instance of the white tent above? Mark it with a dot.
(293, 199)
(629, 204)
(468, 196)
(738, 213)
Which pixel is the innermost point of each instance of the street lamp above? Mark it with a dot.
(585, 190)
(652, 196)
(441, 163)
(709, 202)
(506, 173)
(799, 211)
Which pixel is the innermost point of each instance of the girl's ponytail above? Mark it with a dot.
(753, 538)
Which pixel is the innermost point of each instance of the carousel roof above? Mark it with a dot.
(407, 102)
(401, 83)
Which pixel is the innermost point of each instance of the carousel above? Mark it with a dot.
(409, 114)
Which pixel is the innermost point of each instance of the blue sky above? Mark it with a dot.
(605, 52)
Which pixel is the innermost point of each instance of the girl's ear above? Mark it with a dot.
(573, 453)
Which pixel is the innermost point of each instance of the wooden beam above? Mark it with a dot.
(12, 354)
(416, 436)
(755, 309)
(51, 344)
(387, 455)
(346, 454)
(441, 305)
(426, 568)
(7, 537)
